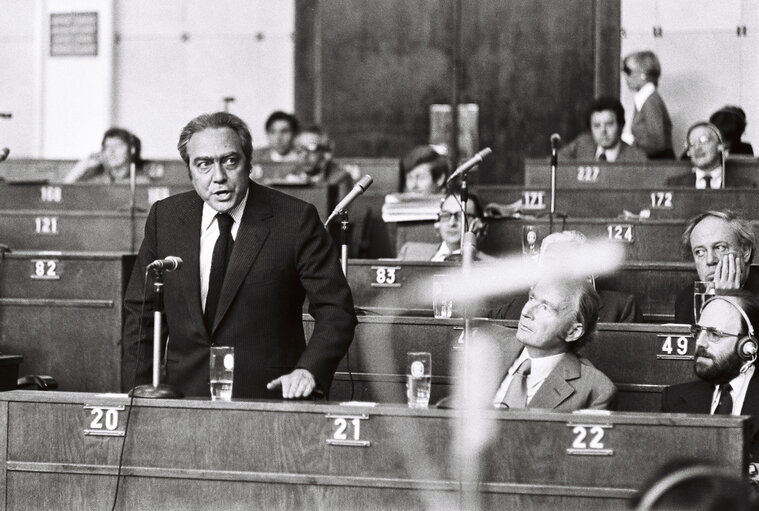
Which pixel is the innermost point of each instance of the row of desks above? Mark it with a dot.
(405, 287)
(384, 171)
(64, 315)
(45, 229)
(661, 203)
(62, 450)
(599, 175)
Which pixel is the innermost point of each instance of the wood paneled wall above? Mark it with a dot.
(368, 71)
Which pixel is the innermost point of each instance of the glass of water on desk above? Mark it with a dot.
(419, 379)
(222, 372)
(442, 303)
(702, 291)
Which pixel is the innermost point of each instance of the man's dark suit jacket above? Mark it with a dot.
(696, 397)
(281, 254)
(584, 148)
(684, 300)
(689, 179)
(614, 307)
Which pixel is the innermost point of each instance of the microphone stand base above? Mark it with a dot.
(162, 391)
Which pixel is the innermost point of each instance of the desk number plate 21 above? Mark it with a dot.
(346, 430)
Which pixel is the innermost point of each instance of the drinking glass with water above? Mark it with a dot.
(222, 372)
(702, 291)
(419, 379)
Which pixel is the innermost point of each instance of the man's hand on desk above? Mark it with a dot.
(299, 383)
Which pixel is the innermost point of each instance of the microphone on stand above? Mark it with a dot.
(555, 141)
(363, 184)
(169, 263)
(469, 164)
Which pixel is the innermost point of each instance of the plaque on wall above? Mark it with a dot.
(73, 34)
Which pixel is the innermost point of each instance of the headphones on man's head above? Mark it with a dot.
(747, 347)
(712, 127)
(667, 483)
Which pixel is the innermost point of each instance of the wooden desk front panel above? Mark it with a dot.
(84, 197)
(662, 202)
(95, 231)
(63, 313)
(199, 454)
(640, 359)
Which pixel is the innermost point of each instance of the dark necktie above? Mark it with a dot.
(708, 181)
(516, 394)
(221, 252)
(725, 405)
(602, 156)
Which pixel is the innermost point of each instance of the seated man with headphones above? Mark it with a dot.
(706, 150)
(726, 349)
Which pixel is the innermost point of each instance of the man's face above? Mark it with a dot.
(115, 154)
(449, 225)
(313, 155)
(715, 358)
(420, 180)
(635, 78)
(548, 320)
(703, 148)
(712, 239)
(605, 128)
(218, 168)
(280, 135)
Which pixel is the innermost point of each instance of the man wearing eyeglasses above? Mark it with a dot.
(448, 228)
(315, 164)
(723, 362)
(722, 245)
(706, 150)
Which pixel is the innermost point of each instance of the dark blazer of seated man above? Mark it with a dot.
(722, 246)
(541, 365)
(724, 363)
(605, 120)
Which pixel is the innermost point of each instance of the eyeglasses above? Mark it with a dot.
(714, 334)
(702, 141)
(311, 148)
(445, 216)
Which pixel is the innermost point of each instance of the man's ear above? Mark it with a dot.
(746, 251)
(575, 332)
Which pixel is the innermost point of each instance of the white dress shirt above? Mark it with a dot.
(541, 368)
(209, 233)
(639, 98)
(739, 386)
(611, 154)
(716, 175)
(442, 253)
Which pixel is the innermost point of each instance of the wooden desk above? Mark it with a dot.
(213, 455)
(394, 287)
(640, 359)
(594, 174)
(83, 196)
(63, 313)
(61, 230)
(644, 240)
(662, 203)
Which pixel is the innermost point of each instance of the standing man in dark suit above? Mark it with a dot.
(251, 255)
(722, 245)
(726, 349)
(605, 119)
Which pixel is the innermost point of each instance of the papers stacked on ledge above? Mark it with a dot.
(411, 207)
